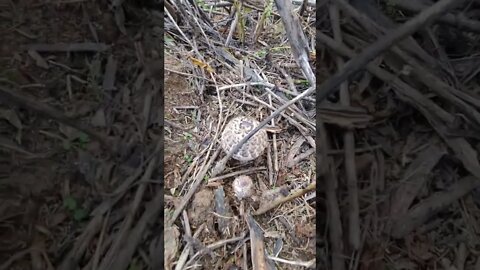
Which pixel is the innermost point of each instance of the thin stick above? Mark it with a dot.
(232, 174)
(238, 9)
(349, 146)
(290, 197)
(296, 38)
(216, 245)
(298, 263)
(98, 251)
(269, 151)
(335, 222)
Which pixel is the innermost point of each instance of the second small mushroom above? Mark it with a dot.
(243, 187)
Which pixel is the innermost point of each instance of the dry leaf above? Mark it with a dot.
(12, 117)
(202, 64)
(120, 19)
(39, 61)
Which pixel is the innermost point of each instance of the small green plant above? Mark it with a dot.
(242, 23)
(188, 159)
(202, 4)
(280, 48)
(206, 177)
(80, 142)
(268, 9)
(83, 139)
(303, 82)
(168, 40)
(390, 8)
(135, 265)
(78, 213)
(187, 136)
(261, 53)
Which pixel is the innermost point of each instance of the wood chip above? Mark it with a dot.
(39, 61)
(109, 76)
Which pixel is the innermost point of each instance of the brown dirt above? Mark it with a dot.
(179, 140)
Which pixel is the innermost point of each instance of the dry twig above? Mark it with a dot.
(349, 145)
(280, 201)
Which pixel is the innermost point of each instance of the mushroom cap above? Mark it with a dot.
(236, 130)
(243, 186)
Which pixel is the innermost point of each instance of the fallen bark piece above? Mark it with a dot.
(414, 179)
(259, 258)
(431, 206)
(221, 208)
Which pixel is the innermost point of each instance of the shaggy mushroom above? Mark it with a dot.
(236, 130)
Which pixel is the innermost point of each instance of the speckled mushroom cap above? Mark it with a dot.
(236, 130)
(243, 186)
